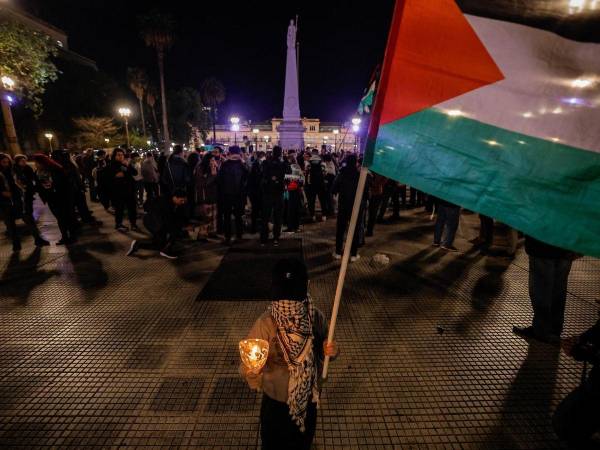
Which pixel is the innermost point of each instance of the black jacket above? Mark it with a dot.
(176, 174)
(125, 185)
(163, 216)
(345, 185)
(232, 178)
(273, 176)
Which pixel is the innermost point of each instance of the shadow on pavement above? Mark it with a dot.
(21, 277)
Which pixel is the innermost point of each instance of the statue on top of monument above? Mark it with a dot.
(291, 36)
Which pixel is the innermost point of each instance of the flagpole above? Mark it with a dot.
(364, 171)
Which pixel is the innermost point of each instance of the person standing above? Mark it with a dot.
(55, 190)
(177, 173)
(315, 185)
(345, 185)
(330, 174)
(101, 176)
(231, 183)
(138, 178)
(205, 178)
(254, 190)
(448, 216)
(376, 192)
(150, 176)
(549, 269)
(297, 335)
(273, 187)
(25, 180)
(391, 192)
(88, 163)
(123, 190)
(295, 181)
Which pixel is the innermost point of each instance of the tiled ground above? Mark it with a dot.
(101, 350)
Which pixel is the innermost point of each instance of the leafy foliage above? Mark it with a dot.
(91, 131)
(25, 57)
(156, 29)
(186, 111)
(138, 81)
(213, 92)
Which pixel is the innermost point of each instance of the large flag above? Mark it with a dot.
(499, 117)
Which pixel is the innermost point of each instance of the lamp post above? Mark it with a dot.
(6, 99)
(235, 127)
(356, 128)
(49, 136)
(255, 131)
(335, 135)
(125, 113)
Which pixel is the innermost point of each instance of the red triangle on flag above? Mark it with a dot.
(435, 56)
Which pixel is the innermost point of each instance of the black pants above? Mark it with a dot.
(390, 193)
(293, 212)
(278, 431)
(486, 231)
(374, 204)
(343, 221)
(256, 212)
(272, 206)
(120, 202)
(151, 191)
(311, 196)
(92, 187)
(65, 217)
(235, 206)
(82, 207)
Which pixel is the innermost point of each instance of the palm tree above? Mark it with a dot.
(157, 31)
(92, 131)
(151, 94)
(138, 83)
(213, 94)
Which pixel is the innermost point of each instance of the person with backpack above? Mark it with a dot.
(290, 379)
(315, 185)
(165, 220)
(231, 183)
(273, 187)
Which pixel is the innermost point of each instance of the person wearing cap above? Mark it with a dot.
(297, 335)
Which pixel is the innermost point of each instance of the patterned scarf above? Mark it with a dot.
(294, 322)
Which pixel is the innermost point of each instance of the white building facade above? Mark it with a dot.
(264, 136)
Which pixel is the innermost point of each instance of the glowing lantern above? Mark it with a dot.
(254, 353)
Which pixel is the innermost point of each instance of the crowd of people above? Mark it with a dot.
(223, 194)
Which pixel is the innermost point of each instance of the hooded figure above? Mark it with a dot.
(296, 332)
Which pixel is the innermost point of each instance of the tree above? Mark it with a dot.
(186, 111)
(151, 94)
(138, 83)
(156, 29)
(213, 94)
(92, 131)
(25, 57)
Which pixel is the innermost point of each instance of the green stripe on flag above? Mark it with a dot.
(545, 189)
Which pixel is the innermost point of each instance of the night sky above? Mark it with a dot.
(242, 44)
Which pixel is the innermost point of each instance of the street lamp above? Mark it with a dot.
(235, 127)
(255, 131)
(8, 85)
(49, 136)
(125, 113)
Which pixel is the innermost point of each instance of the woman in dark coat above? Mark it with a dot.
(121, 175)
(55, 190)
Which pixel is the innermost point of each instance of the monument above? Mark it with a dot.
(291, 130)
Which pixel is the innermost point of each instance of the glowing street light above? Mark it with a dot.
(107, 140)
(125, 113)
(49, 136)
(235, 127)
(8, 85)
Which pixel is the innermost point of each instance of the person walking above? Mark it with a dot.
(290, 379)
(345, 185)
(150, 176)
(56, 191)
(231, 182)
(206, 191)
(549, 269)
(123, 190)
(273, 187)
(165, 220)
(294, 181)
(448, 216)
(315, 185)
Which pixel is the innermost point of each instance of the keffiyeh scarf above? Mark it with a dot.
(294, 321)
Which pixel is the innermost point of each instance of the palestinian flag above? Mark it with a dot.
(498, 112)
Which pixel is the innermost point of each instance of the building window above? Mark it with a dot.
(313, 128)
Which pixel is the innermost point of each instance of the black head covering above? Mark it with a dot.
(290, 280)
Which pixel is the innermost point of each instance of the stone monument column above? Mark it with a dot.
(291, 130)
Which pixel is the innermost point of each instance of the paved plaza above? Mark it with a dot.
(102, 350)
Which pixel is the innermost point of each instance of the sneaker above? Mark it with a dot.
(167, 254)
(276, 243)
(337, 256)
(122, 228)
(354, 258)
(132, 248)
(40, 242)
(450, 248)
(524, 332)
